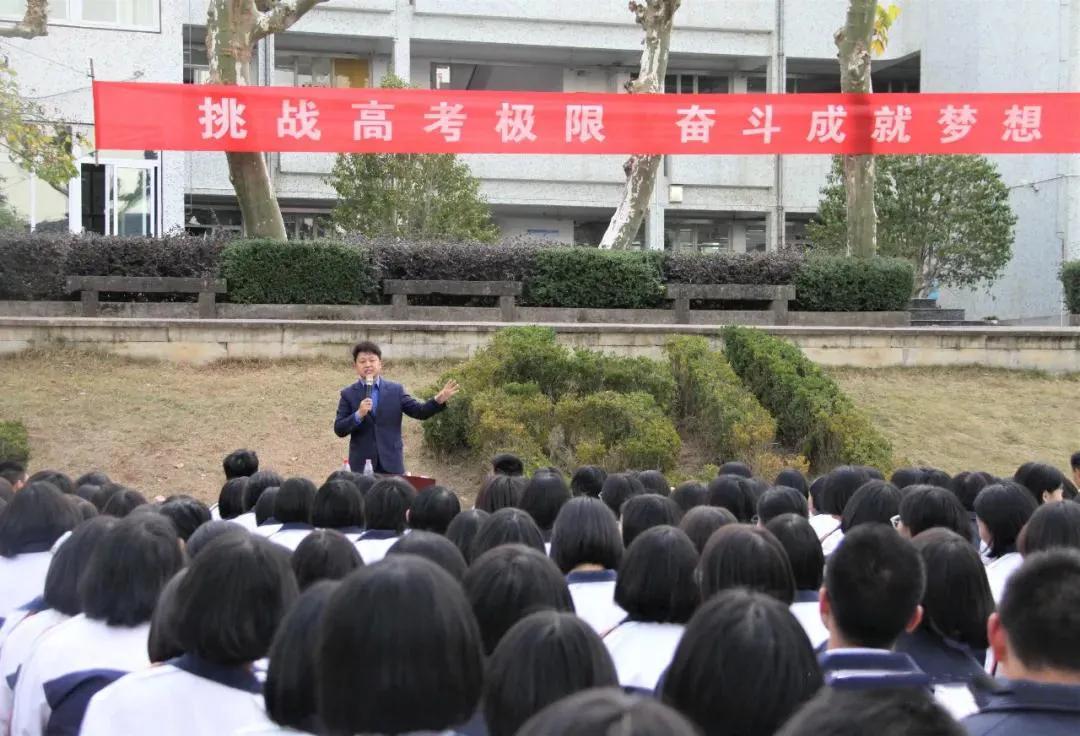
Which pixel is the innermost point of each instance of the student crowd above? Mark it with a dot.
(604, 604)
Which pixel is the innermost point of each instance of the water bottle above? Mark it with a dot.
(369, 469)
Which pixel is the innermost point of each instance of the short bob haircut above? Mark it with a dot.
(1040, 479)
(700, 523)
(1004, 508)
(231, 498)
(67, 565)
(655, 482)
(780, 500)
(338, 504)
(793, 478)
(607, 711)
(186, 513)
(294, 500)
(1040, 611)
(734, 493)
(122, 502)
(586, 532)
(257, 484)
(736, 468)
(926, 507)
(240, 464)
(656, 580)
(883, 712)
(876, 502)
(291, 689)
(588, 480)
(738, 556)
(967, 485)
(506, 526)
(957, 601)
(544, 495)
(690, 495)
(366, 346)
(162, 644)
(500, 492)
(1053, 525)
(210, 531)
(618, 489)
(642, 513)
(33, 521)
(506, 463)
(324, 554)
(904, 477)
(743, 666)
(816, 495)
(542, 659)
(803, 549)
(62, 481)
(507, 584)
(433, 509)
(128, 568)
(463, 529)
(433, 547)
(387, 504)
(264, 507)
(401, 632)
(83, 508)
(840, 485)
(232, 599)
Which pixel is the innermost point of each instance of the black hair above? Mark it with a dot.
(641, 513)
(803, 549)
(588, 480)
(1040, 611)
(815, 494)
(338, 504)
(210, 531)
(876, 502)
(1039, 478)
(7, 491)
(84, 491)
(83, 508)
(500, 492)
(362, 482)
(544, 495)
(793, 478)
(505, 526)
(366, 346)
(936, 477)
(161, 643)
(433, 547)
(33, 521)
(1053, 525)
(257, 484)
(186, 514)
(232, 599)
(874, 580)
(1004, 508)
(689, 495)
(12, 471)
(925, 507)
(700, 523)
(656, 579)
(128, 568)
(264, 507)
(618, 489)
(62, 580)
(60, 480)
(880, 711)
(231, 498)
(739, 556)
(545, 657)
(387, 503)
(904, 477)
(93, 478)
(966, 486)
(781, 500)
(324, 554)
(122, 502)
(433, 509)
(1074, 461)
(240, 464)
(506, 463)
(291, 689)
(743, 666)
(607, 711)
(294, 500)
(840, 485)
(736, 468)
(586, 532)
(654, 482)
(957, 601)
(401, 632)
(734, 493)
(463, 529)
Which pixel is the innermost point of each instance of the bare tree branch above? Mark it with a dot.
(33, 24)
(281, 15)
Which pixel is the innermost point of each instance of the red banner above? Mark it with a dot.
(184, 117)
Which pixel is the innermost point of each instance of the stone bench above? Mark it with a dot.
(400, 291)
(778, 297)
(92, 286)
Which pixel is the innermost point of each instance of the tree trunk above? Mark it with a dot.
(34, 23)
(853, 42)
(656, 18)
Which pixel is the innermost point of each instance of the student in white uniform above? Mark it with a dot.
(804, 553)
(186, 513)
(506, 526)
(619, 488)
(644, 512)
(746, 557)
(229, 604)
(839, 486)
(164, 643)
(209, 532)
(29, 527)
(256, 485)
(587, 547)
(385, 507)
(876, 502)
(338, 505)
(544, 495)
(656, 588)
(266, 524)
(929, 507)
(240, 464)
(734, 493)
(324, 554)
(509, 582)
(1002, 510)
(1053, 525)
(545, 657)
(400, 635)
(433, 509)
(118, 591)
(230, 503)
(462, 530)
(292, 508)
(433, 547)
(701, 521)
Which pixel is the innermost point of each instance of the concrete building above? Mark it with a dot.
(736, 203)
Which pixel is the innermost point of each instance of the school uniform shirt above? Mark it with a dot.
(999, 570)
(17, 648)
(22, 578)
(1023, 708)
(352, 533)
(70, 663)
(268, 528)
(186, 696)
(246, 520)
(807, 612)
(16, 617)
(642, 651)
(291, 535)
(266, 727)
(593, 594)
(374, 544)
(953, 669)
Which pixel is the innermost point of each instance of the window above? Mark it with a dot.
(703, 234)
(140, 14)
(37, 205)
(537, 78)
(196, 65)
(294, 70)
(795, 234)
(756, 238)
(828, 83)
(307, 225)
(696, 84)
(756, 84)
(212, 220)
(119, 197)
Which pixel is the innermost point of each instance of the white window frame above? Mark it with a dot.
(111, 210)
(74, 9)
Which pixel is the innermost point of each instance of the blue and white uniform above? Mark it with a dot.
(642, 651)
(374, 544)
(246, 520)
(999, 570)
(16, 650)
(807, 611)
(593, 593)
(291, 534)
(22, 578)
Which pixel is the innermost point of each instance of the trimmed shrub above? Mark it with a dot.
(596, 279)
(512, 418)
(617, 431)
(14, 442)
(34, 266)
(594, 371)
(299, 272)
(843, 284)
(174, 256)
(812, 414)
(436, 261)
(685, 267)
(1070, 280)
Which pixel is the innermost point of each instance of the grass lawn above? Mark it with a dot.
(163, 428)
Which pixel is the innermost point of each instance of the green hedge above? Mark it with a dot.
(617, 431)
(1070, 279)
(841, 284)
(299, 272)
(14, 442)
(592, 278)
(812, 414)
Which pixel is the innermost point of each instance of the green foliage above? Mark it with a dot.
(843, 284)
(948, 215)
(14, 442)
(1070, 279)
(10, 220)
(298, 272)
(598, 279)
(618, 431)
(813, 415)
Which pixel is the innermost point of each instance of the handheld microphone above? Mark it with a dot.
(369, 385)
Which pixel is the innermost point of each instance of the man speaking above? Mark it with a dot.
(370, 411)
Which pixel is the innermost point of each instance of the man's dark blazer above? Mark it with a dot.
(378, 437)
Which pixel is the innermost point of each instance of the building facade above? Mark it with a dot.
(708, 203)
